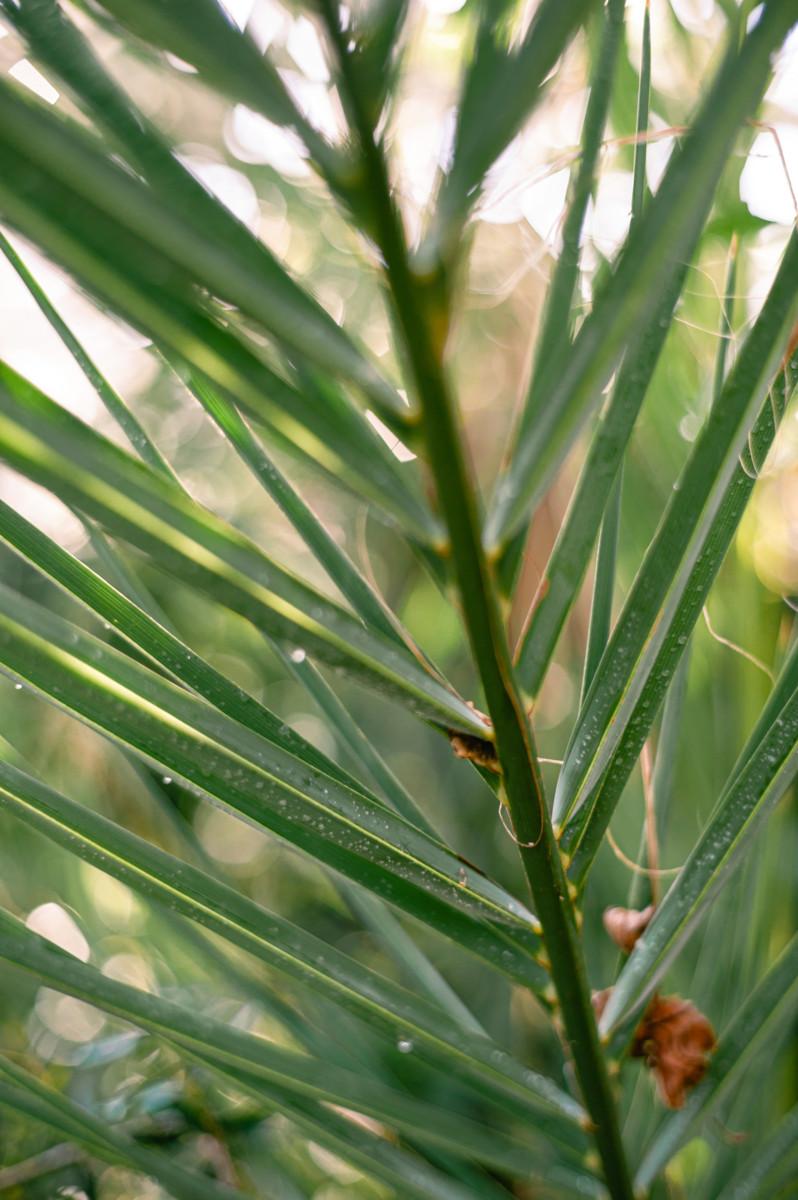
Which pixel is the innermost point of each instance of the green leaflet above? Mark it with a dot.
(767, 769)
(23, 1092)
(339, 567)
(145, 284)
(500, 90)
(555, 332)
(772, 1002)
(44, 442)
(114, 404)
(283, 946)
(665, 585)
(156, 641)
(262, 783)
(667, 233)
(259, 286)
(237, 1051)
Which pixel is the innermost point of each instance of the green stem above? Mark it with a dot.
(422, 323)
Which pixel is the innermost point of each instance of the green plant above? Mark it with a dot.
(377, 1056)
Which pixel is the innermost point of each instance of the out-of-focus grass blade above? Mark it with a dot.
(24, 1093)
(260, 287)
(596, 503)
(588, 825)
(377, 36)
(556, 323)
(555, 330)
(770, 1166)
(236, 1050)
(356, 744)
(201, 33)
(372, 1153)
(500, 90)
(650, 259)
(150, 293)
(768, 770)
(604, 579)
(114, 404)
(162, 646)
(148, 289)
(571, 554)
(678, 550)
(341, 570)
(47, 444)
(61, 46)
(771, 1003)
(282, 946)
(216, 756)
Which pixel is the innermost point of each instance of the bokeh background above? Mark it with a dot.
(259, 171)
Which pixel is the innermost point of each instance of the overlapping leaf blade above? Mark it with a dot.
(259, 287)
(283, 946)
(500, 89)
(770, 1005)
(163, 647)
(232, 1048)
(260, 782)
(47, 444)
(767, 768)
(24, 1093)
(145, 284)
(667, 234)
(667, 574)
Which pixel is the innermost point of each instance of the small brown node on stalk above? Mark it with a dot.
(599, 1001)
(675, 1039)
(476, 749)
(625, 925)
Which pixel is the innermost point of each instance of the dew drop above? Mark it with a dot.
(298, 656)
(404, 1045)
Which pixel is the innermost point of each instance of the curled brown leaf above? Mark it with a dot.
(625, 925)
(675, 1039)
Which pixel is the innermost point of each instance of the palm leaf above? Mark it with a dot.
(667, 233)
(237, 1051)
(767, 769)
(390, 1009)
(771, 1003)
(129, 499)
(654, 604)
(257, 780)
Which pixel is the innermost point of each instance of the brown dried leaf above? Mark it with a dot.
(675, 1039)
(625, 925)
